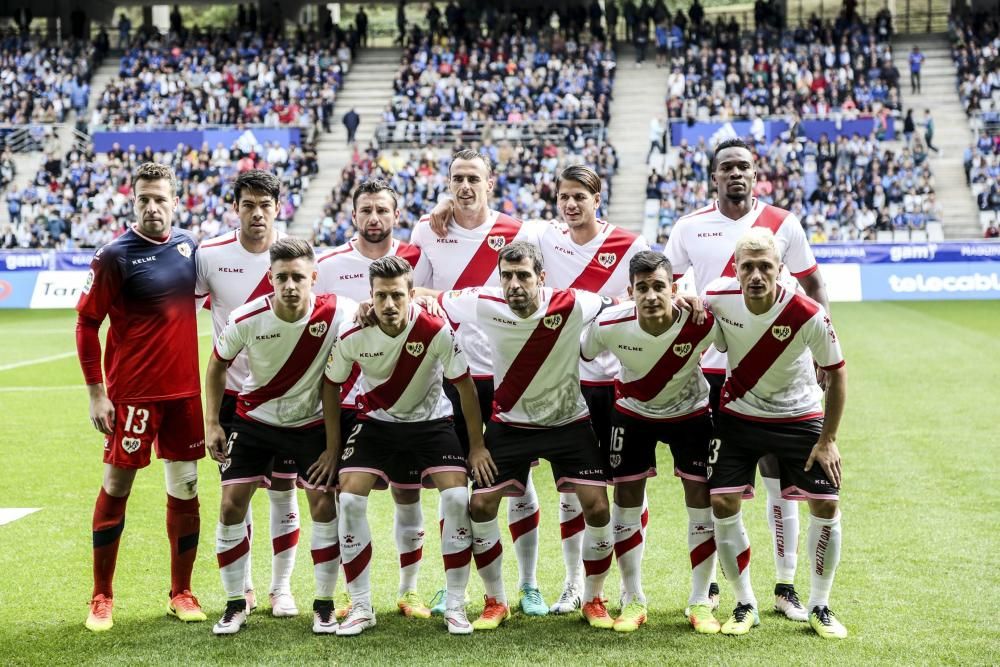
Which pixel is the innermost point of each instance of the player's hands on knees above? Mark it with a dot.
(484, 471)
(323, 473)
(431, 305)
(826, 454)
(215, 443)
(102, 414)
(440, 215)
(693, 304)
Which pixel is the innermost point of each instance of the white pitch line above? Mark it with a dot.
(40, 360)
(9, 514)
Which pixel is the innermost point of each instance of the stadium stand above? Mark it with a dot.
(976, 52)
(41, 82)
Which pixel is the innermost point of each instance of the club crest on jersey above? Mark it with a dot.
(552, 321)
(224, 466)
(415, 348)
(682, 349)
(348, 452)
(607, 259)
(455, 293)
(781, 332)
(615, 460)
(130, 445)
(496, 242)
(184, 249)
(317, 329)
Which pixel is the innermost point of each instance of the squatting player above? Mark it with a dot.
(772, 404)
(144, 282)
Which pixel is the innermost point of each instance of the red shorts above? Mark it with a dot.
(176, 428)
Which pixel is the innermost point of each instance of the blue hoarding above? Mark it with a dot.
(907, 253)
(168, 140)
(713, 133)
(938, 281)
(16, 288)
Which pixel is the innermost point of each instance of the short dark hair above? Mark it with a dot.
(290, 248)
(390, 266)
(734, 142)
(257, 180)
(469, 154)
(154, 171)
(373, 187)
(519, 251)
(583, 175)
(647, 261)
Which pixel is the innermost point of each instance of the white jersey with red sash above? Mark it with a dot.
(400, 375)
(599, 266)
(535, 359)
(344, 270)
(704, 241)
(659, 379)
(286, 359)
(771, 376)
(468, 258)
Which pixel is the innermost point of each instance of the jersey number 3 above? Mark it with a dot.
(135, 421)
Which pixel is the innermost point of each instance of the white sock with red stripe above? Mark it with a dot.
(356, 548)
(284, 537)
(824, 551)
(248, 522)
(629, 543)
(701, 547)
(325, 550)
(598, 543)
(408, 528)
(571, 527)
(734, 555)
(488, 552)
(232, 550)
(783, 519)
(456, 543)
(523, 515)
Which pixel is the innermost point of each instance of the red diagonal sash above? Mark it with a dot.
(604, 262)
(536, 349)
(386, 394)
(766, 351)
(484, 261)
(771, 218)
(666, 367)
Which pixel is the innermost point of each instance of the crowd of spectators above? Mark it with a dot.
(525, 182)
(40, 81)
(845, 189)
(84, 199)
(976, 52)
(982, 173)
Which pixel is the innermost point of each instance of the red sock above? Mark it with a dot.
(109, 521)
(183, 524)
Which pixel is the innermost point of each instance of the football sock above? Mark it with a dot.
(232, 550)
(325, 549)
(571, 527)
(356, 548)
(523, 516)
(108, 524)
(248, 522)
(783, 519)
(456, 542)
(284, 537)
(629, 545)
(734, 555)
(701, 547)
(183, 527)
(488, 552)
(598, 544)
(824, 551)
(408, 528)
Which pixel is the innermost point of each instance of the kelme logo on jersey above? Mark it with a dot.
(552, 321)
(682, 349)
(317, 329)
(184, 249)
(496, 242)
(607, 259)
(131, 445)
(781, 332)
(415, 348)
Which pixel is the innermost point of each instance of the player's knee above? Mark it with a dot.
(352, 504)
(455, 501)
(117, 482)
(181, 478)
(232, 509)
(596, 511)
(322, 505)
(824, 509)
(725, 505)
(405, 496)
(696, 493)
(282, 484)
(483, 508)
(629, 494)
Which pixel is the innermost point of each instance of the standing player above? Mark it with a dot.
(286, 337)
(467, 257)
(662, 396)
(404, 434)
(233, 271)
(704, 241)
(772, 404)
(538, 412)
(144, 281)
(344, 271)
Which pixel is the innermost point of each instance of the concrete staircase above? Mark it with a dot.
(952, 133)
(639, 95)
(367, 89)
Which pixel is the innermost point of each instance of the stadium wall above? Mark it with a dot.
(853, 272)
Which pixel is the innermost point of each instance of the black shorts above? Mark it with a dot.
(715, 382)
(283, 468)
(571, 450)
(741, 442)
(600, 400)
(403, 455)
(633, 452)
(484, 389)
(253, 448)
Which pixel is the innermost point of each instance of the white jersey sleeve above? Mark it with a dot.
(231, 340)
(592, 344)
(460, 305)
(338, 367)
(446, 348)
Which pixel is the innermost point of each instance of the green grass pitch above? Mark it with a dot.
(917, 583)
